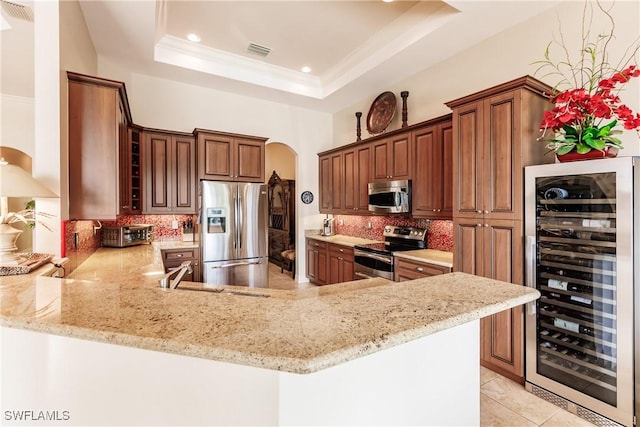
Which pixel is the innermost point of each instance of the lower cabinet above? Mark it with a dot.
(317, 261)
(408, 269)
(172, 258)
(494, 249)
(341, 262)
(329, 263)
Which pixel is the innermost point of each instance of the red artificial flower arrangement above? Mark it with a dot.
(585, 116)
(578, 119)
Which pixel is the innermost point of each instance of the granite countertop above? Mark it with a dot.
(432, 256)
(114, 297)
(339, 239)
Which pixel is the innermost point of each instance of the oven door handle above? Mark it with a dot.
(364, 276)
(383, 258)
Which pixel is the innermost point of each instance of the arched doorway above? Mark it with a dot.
(281, 171)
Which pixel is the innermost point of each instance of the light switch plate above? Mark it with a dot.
(174, 224)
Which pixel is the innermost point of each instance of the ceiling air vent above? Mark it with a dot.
(258, 49)
(16, 10)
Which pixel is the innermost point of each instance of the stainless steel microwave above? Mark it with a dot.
(388, 197)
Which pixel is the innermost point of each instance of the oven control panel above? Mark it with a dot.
(405, 232)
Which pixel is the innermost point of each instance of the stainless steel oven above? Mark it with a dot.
(370, 264)
(376, 259)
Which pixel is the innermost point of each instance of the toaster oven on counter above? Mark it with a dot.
(121, 236)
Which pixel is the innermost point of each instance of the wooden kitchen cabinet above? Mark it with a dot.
(317, 261)
(341, 263)
(130, 173)
(98, 119)
(494, 138)
(432, 186)
(356, 177)
(329, 263)
(170, 184)
(331, 182)
(392, 158)
(230, 157)
(172, 258)
(409, 269)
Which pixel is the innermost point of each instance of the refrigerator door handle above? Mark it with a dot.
(235, 219)
(530, 255)
(239, 223)
(234, 264)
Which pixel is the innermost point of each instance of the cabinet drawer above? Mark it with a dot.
(179, 255)
(345, 252)
(316, 244)
(409, 269)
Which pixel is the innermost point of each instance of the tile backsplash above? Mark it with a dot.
(79, 248)
(440, 232)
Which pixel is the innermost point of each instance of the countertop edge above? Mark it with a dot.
(423, 259)
(291, 365)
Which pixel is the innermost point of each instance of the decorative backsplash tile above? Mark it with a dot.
(88, 240)
(439, 237)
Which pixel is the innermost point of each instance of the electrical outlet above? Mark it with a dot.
(369, 226)
(174, 224)
(341, 221)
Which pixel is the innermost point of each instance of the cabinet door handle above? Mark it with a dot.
(341, 250)
(486, 212)
(420, 269)
(179, 255)
(479, 211)
(478, 225)
(125, 207)
(486, 225)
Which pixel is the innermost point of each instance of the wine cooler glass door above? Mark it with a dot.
(580, 335)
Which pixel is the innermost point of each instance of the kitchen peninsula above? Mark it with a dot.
(119, 350)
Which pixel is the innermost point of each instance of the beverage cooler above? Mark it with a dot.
(582, 334)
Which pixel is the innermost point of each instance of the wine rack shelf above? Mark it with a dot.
(576, 326)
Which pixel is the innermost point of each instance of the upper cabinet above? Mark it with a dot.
(357, 171)
(170, 173)
(98, 148)
(432, 189)
(331, 182)
(230, 157)
(495, 137)
(392, 158)
(421, 153)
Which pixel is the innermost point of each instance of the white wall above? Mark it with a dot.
(17, 126)
(167, 104)
(501, 58)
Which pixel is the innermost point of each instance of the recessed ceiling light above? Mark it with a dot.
(305, 69)
(387, 1)
(193, 37)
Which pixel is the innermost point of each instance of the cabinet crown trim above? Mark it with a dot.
(525, 82)
(406, 129)
(197, 131)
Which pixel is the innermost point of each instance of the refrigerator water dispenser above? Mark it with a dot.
(216, 220)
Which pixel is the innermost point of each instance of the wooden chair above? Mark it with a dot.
(289, 257)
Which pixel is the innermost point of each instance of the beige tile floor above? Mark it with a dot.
(502, 401)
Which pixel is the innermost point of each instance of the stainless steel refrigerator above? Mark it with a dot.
(583, 255)
(234, 233)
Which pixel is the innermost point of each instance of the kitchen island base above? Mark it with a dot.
(433, 380)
